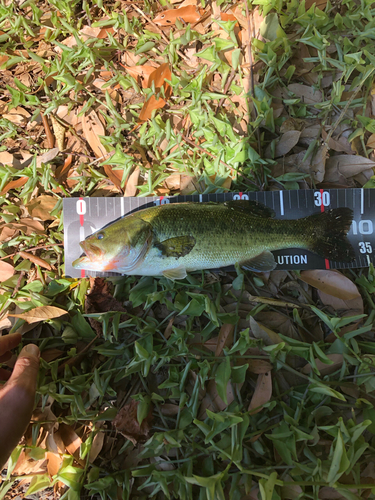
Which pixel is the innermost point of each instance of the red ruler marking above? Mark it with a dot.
(322, 210)
(82, 221)
(240, 195)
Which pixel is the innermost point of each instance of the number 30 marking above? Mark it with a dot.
(322, 198)
(365, 247)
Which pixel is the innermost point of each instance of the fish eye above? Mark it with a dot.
(100, 236)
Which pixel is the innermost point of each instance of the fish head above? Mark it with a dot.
(118, 247)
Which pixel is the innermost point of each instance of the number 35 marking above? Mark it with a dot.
(365, 247)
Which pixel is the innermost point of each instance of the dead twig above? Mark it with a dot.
(50, 137)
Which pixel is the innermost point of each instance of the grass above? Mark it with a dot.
(230, 385)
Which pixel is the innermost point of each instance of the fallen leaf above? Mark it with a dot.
(225, 338)
(331, 282)
(168, 17)
(114, 175)
(287, 142)
(97, 445)
(262, 332)
(324, 368)
(126, 423)
(342, 307)
(54, 462)
(42, 207)
(26, 225)
(307, 94)
(47, 156)
(36, 260)
(262, 393)
(158, 77)
(141, 73)
(212, 401)
(132, 183)
(14, 184)
(6, 271)
(101, 300)
(71, 440)
(92, 128)
(371, 142)
(346, 166)
(340, 144)
(258, 366)
(41, 313)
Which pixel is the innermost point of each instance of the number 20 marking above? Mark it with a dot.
(365, 247)
(322, 198)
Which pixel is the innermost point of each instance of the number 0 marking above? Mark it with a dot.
(81, 207)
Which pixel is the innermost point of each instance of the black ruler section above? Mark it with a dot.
(83, 216)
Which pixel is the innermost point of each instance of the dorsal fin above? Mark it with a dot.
(250, 207)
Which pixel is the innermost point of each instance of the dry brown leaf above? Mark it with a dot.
(41, 313)
(168, 17)
(18, 116)
(158, 77)
(71, 440)
(262, 393)
(101, 300)
(25, 225)
(132, 183)
(169, 410)
(340, 144)
(59, 131)
(307, 94)
(96, 447)
(262, 332)
(47, 156)
(141, 73)
(92, 128)
(324, 368)
(127, 424)
(36, 260)
(287, 142)
(212, 401)
(371, 141)
(331, 282)
(225, 338)
(6, 271)
(258, 366)
(42, 207)
(346, 166)
(54, 461)
(342, 307)
(320, 4)
(14, 184)
(51, 354)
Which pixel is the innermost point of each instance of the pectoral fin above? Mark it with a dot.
(261, 263)
(179, 273)
(176, 247)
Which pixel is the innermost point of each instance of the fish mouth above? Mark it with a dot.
(92, 251)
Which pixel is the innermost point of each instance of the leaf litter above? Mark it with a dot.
(233, 388)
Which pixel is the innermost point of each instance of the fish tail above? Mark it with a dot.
(328, 237)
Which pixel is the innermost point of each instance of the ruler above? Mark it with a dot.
(83, 216)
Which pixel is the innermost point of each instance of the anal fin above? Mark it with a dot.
(263, 262)
(178, 273)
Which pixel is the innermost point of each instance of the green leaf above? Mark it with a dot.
(222, 377)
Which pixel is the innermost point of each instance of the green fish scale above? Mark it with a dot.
(223, 234)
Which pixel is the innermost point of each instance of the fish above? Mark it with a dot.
(174, 239)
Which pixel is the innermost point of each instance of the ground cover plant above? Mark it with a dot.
(224, 385)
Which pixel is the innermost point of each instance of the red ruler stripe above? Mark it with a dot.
(322, 210)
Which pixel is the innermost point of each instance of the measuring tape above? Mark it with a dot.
(83, 216)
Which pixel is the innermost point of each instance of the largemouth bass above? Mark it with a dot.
(177, 238)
